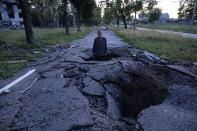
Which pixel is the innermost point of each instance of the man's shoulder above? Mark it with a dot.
(100, 38)
(97, 38)
(104, 38)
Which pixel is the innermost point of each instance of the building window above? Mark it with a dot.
(20, 15)
(0, 16)
(4, 6)
(21, 23)
(19, 6)
(10, 11)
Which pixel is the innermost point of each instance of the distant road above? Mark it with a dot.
(188, 35)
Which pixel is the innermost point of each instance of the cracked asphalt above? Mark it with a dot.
(177, 113)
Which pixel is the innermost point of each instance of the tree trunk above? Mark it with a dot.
(27, 21)
(78, 22)
(134, 25)
(124, 21)
(66, 17)
(118, 21)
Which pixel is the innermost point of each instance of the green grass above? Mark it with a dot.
(170, 27)
(170, 47)
(13, 46)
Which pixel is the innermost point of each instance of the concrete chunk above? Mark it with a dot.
(112, 109)
(92, 87)
(182, 70)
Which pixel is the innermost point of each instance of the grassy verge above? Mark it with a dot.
(13, 46)
(170, 27)
(171, 47)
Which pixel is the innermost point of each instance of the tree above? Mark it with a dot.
(122, 9)
(97, 16)
(109, 13)
(46, 12)
(138, 5)
(88, 14)
(25, 6)
(187, 9)
(79, 5)
(154, 15)
(84, 10)
(65, 3)
(151, 11)
(150, 4)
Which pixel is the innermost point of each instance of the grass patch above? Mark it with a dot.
(9, 69)
(13, 46)
(171, 47)
(170, 27)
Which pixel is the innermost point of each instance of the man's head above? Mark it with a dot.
(99, 33)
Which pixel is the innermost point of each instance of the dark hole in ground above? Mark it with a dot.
(107, 57)
(139, 93)
(132, 105)
(137, 89)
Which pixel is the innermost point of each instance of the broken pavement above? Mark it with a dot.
(75, 92)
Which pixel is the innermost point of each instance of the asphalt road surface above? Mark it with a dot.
(177, 113)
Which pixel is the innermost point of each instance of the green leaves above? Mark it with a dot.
(186, 9)
(121, 9)
(153, 13)
(46, 9)
(85, 9)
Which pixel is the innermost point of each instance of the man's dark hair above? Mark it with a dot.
(99, 32)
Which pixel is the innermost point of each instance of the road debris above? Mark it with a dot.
(83, 94)
(24, 91)
(182, 70)
(6, 88)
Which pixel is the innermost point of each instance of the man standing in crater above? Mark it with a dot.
(99, 47)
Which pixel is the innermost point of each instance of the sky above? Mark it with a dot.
(168, 6)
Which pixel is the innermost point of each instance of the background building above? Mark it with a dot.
(164, 18)
(10, 12)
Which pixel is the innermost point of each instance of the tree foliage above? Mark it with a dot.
(97, 16)
(85, 10)
(45, 12)
(109, 14)
(89, 12)
(187, 9)
(150, 4)
(150, 10)
(50, 12)
(154, 15)
(121, 9)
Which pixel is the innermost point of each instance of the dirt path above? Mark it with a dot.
(187, 35)
(72, 92)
